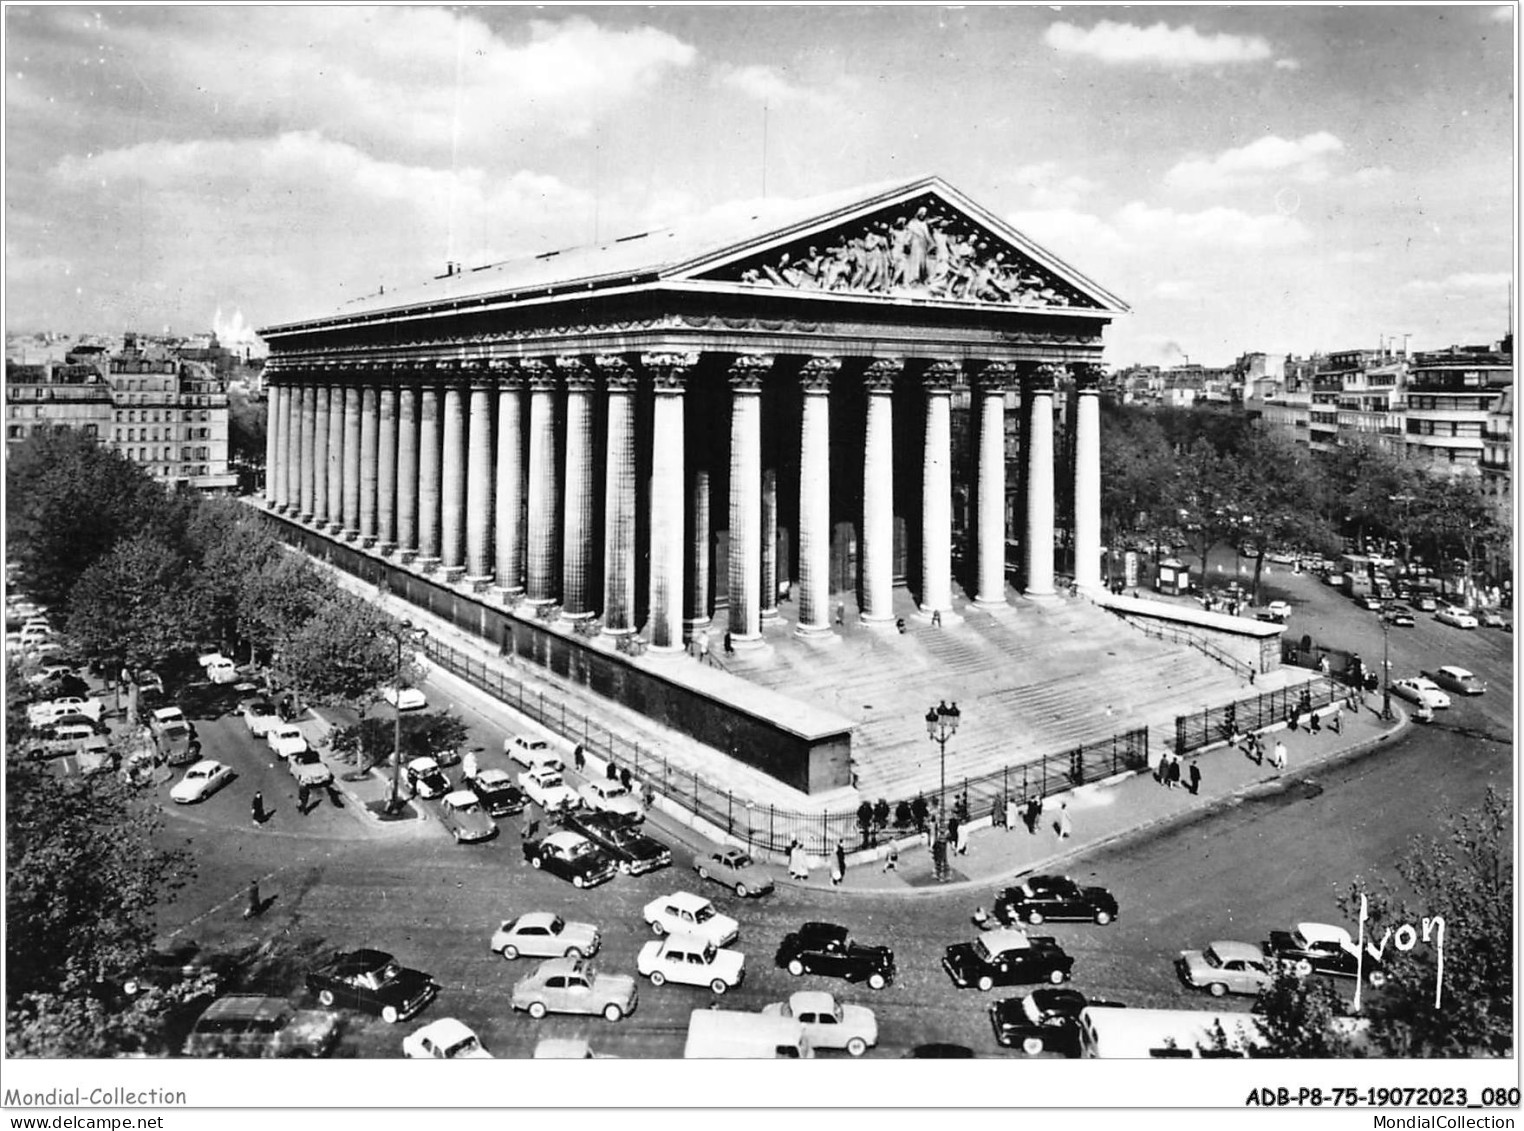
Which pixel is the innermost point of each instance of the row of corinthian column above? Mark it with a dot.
(404, 459)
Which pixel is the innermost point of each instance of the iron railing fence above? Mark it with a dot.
(1243, 716)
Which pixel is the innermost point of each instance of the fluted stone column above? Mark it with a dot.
(272, 441)
(619, 499)
(334, 457)
(429, 474)
(1087, 484)
(320, 457)
(767, 592)
(509, 509)
(746, 374)
(480, 507)
(543, 510)
(878, 494)
(936, 490)
(993, 383)
(370, 452)
(578, 542)
(697, 616)
(669, 376)
(309, 452)
(452, 485)
(407, 468)
(386, 471)
(292, 435)
(1039, 539)
(351, 461)
(815, 498)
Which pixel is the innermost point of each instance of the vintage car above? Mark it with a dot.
(1322, 948)
(184, 962)
(285, 740)
(734, 868)
(1006, 957)
(1054, 897)
(572, 985)
(531, 752)
(572, 857)
(1278, 611)
(544, 934)
(547, 789)
(308, 769)
(1225, 967)
(1457, 618)
(405, 698)
(495, 790)
(1399, 616)
(1452, 678)
(633, 851)
(426, 779)
(829, 1024)
(445, 1039)
(691, 961)
(1422, 691)
(829, 950)
(462, 814)
(613, 798)
(248, 1025)
(40, 714)
(200, 782)
(1046, 1020)
(1492, 618)
(683, 913)
(260, 717)
(374, 982)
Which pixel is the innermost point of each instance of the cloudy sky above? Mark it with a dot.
(1280, 179)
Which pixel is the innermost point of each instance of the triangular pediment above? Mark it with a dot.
(923, 241)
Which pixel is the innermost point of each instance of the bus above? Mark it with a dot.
(1141, 1034)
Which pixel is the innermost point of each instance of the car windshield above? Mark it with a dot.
(579, 848)
(548, 780)
(464, 1045)
(1211, 957)
(1029, 1007)
(742, 861)
(983, 950)
(704, 913)
(388, 973)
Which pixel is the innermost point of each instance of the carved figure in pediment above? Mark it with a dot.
(917, 245)
(810, 268)
(876, 263)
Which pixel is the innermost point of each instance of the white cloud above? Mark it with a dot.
(1212, 228)
(1304, 159)
(1112, 42)
(1047, 187)
(772, 86)
(1471, 281)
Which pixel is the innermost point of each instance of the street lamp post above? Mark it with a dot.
(1386, 671)
(941, 725)
(403, 632)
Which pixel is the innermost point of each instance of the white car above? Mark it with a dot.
(168, 716)
(532, 752)
(445, 1039)
(41, 714)
(1280, 610)
(1459, 618)
(221, 670)
(547, 789)
(828, 1023)
(286, 740)
(260, 717)
(1426, 692)
(612, 797)
(691, 961)
(683, 913)
(544, 934)
(405, 699)
(200, 782)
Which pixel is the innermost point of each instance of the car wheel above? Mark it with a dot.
(795, 967)
(1058, 977)
(389, 1014)
(876, 981)
(510, 952)
(535, 862)
(1102, 918)
(1032, 1046)
(986, 983)
(624, 866)
(658, 978)
(612, 1012)
(741, 890)
(856, 1046)
(1034, 917)
(131, 987)
(703, 873)
(718, 985)
(578, 882)
(657, 929)
(574, 952)
(1302, 968)
(325, 999)
(1218, 989)
(537, 1010)
(1376, 978)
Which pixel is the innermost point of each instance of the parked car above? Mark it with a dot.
(633, 851)
(613, 798)
(1005, 957)
(1459, 618)
(1279, 611)
(1046, 1020)
(405, 698)
(1370, 601)
(177, 964)
(176, 742)
(1399, 616)
(829, 949)
(40, 714)
(465, 819)
(572, 985)
(260, 717)
(544, 934)
(572, 857)
(445, 1039)
(308, 769)
(691, 961)
(548, 789)
(1456, 679)
(683, 913)
(248, 1025)
(374, 982)
(1425, 692)
(532, 752)
(200, 782)
(1225, 967)
(285, 740)
(221, 670)
(1426, 603)
(497, 793)
(829, 1024)
(1321, 948)
(426, 779)
(1054, 897)
(734, 868)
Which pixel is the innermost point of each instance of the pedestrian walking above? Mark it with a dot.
(1278, 758)
(257, 809)
(1336, 719)
(919, 810)
(468, 765)
(648, 795)
(892, 861)
(1064, 825)
(1174, 770)
(960, 807)
(730, 646)
(953, 825)
(962, 842)
(1316, 725)
(1012, 814)
(841, 612)
(1195, 776)
(611, 771)
(302, 794)
(625, 777)
(579, 758)
(254, 906)
(997, 814)
(839, 872)
(865, 821)
(936, 618)
(880, 815)
(1034, 813)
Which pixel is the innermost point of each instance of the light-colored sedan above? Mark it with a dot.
(445, 1039)
(405, 699)
(683, 913)
(1457, 679)
(735, 869)
(828, 1023)
(1425, 692)
(547, 789)
(606, 796)
(427, 780)
(463, 815)
(202, 780)
(572, 985)
(1225, 968)
(285, 740)
(1458, 618)
(41, 714)
(691, 961)
(544, 934)
(260, 717)
(532, 752)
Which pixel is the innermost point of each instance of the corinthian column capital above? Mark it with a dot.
(815, 376)
(940, 376)
(618, 375)
(541, 377)
(879, 376)
(669, 371)
(997, 378)
(574, 371)
(747, 371)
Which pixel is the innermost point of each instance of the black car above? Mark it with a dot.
(183, 963)
(1006, 957)
(1054, 897)
(374, 982)
(1043, 1021)
(572, 857)
(1319, 948)
(633, 851)
(497, 793)
(829, 949)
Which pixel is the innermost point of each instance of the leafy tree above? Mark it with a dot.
(276, 596)
(1137, 469)
(129, 608)
(345, 652)
(423, 736)
(1278, 497)
(247, 424)
(1303, 1017)
(1208, 487)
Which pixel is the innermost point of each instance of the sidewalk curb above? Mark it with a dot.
(354, 798)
